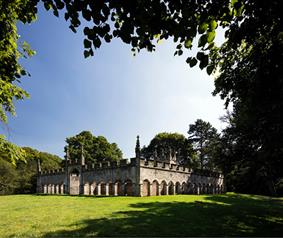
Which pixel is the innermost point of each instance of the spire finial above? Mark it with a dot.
(138, 148)
(38, 166)
(67, 153)
(82, 155)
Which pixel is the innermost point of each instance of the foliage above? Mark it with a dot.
(8, 176)
(21, 176)
(28, 170)
(11, 51)
(10, 152)
(164, 143)
(230, 215)
(95, 149)
(205, 139)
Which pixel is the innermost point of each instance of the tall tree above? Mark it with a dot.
(95, 149)
(205, 139)
(164, 143)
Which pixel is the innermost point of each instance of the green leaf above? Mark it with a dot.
(86, 53)
(210, 36)
(202, 28)
(212, 25)
(202, 40)
(188, 43)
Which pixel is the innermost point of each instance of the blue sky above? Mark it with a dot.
(113, 94)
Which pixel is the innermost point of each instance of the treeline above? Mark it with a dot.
(21, 177)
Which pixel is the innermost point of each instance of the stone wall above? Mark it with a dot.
(137, 177)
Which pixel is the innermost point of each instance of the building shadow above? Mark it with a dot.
(216, 216)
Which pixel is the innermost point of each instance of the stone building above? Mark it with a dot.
(135, 177)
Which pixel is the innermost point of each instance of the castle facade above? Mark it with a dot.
(135, 177)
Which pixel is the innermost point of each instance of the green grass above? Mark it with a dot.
(181, 215)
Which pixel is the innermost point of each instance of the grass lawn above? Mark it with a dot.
(180, 215)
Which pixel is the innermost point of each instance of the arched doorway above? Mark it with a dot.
(146, 188)
(74, 182)
(128, 188)
(111, 189)
(119, 188)
(154, 188)
(163, 188)
(171, 188)
(103, 188)
(178, 188)
(184, 188)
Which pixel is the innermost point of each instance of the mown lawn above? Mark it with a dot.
(180, 215)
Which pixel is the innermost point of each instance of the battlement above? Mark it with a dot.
(156, 164)
(135, 162)
(98, 166)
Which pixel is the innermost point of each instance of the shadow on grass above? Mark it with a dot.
(222, 215)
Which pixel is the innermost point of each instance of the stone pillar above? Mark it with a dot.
(62, 188)
(98, 189)
(45, 189)
(107, 189)
(174, 189)
(141, 189)
(150, 189)
(166, 189)
(115, 189)
(52, 189)
(86, 189)
(57, 189)
(91, 188)
(198, 190)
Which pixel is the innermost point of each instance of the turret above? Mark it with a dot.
(38, 167)
(138, 148)
(82, 156)
(67, 158)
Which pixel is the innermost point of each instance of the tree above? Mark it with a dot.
(95, 149)
(164, 143)
(27, 171)
(20, 177)
(249, 62)
(205, 139)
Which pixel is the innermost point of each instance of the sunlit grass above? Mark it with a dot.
(181, 215)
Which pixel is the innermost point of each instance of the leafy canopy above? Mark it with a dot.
(95, 149)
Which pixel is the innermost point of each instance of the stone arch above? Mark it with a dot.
(204, 188)
(189, 188)
(155, 188)
(171, 190)
(178, 188)
(163, 188)
(184, 188)
(128, 188)
(103, 188)
(145, 188)
(111, 188)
